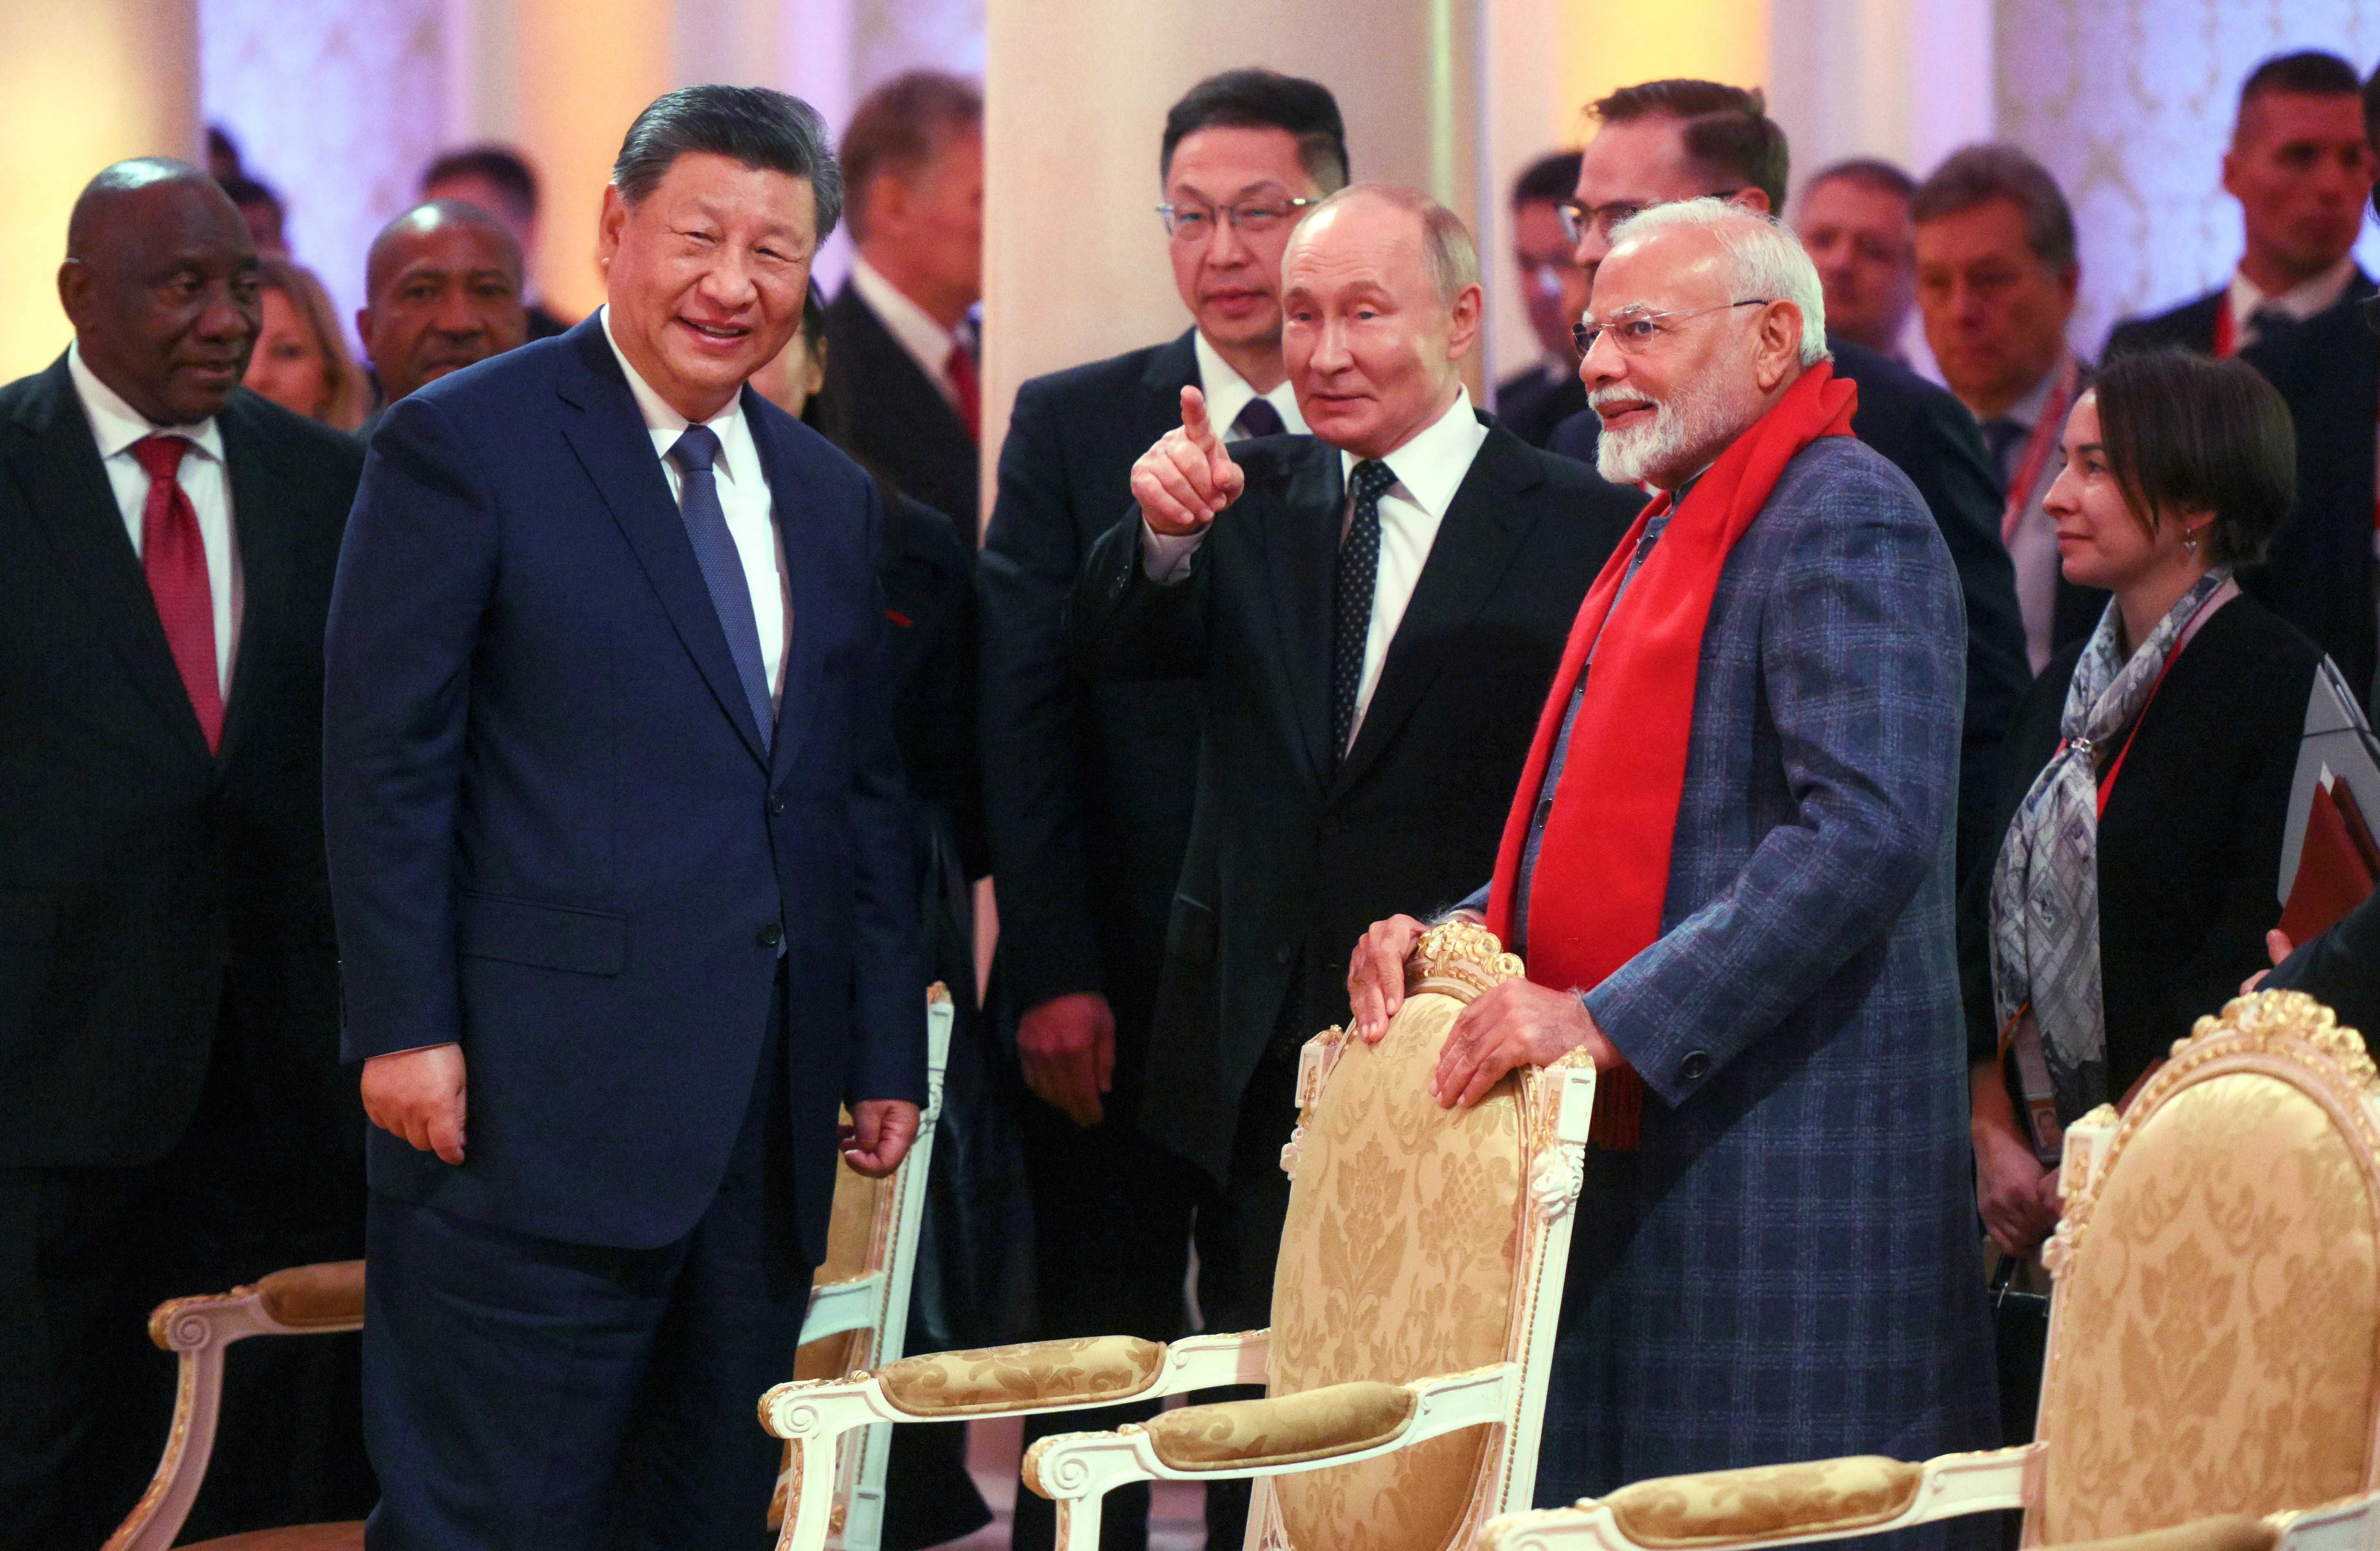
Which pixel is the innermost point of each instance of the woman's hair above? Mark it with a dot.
(2184, 433)
(347, 397)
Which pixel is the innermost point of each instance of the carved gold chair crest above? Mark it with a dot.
(1420, 1278)
(2214, 1340)
(859, 1303)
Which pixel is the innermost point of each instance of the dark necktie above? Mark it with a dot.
(966, 387)
(722, 568)
(175, 559)
(2000, 439)
(1259, 417)
(1359, 572)
(2269, 323)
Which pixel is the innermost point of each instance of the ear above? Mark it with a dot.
(1462, 322)
(610, 224)
(363, 329)
(888, 201)
(73, 291)
(1751, 198)
(2070, 285)
(2230, 173)
(1777, 345)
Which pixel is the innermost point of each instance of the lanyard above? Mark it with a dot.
(2216, 600)
(2037, 442)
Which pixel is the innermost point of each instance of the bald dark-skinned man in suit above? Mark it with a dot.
(174, 1120)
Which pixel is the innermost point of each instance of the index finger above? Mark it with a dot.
(1194, 417)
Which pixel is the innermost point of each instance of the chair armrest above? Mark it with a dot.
(2228, 1532)
(1774, 1505)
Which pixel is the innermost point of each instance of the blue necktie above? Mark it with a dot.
(722, 568)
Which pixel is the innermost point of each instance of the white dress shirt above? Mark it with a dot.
(743, 496)
(1430, 470)
(928, 342)
(116, 425)
(1227, 392)
(2300, 302)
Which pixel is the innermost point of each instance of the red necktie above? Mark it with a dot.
(175, 559)
(968, 388)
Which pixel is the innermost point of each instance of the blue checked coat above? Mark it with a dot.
(1789, 1267)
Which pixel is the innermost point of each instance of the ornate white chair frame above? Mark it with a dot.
(876, 1303)
(1079, 1468)
(2283, 1034)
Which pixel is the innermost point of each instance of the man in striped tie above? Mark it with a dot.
(173, 1118)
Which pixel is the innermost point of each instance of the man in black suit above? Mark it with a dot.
(1547, 391)
(1087, 786)
(1665, 140)
(2301, 167)
(901, 361)
(174, 1120)
(1375, 616)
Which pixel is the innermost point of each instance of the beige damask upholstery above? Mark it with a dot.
(1724, 1505)
(1023, 1377)
(1420, 1275)
(1283, 1430)
(851, 1235)
(2214, 1333)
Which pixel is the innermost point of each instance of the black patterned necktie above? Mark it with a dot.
(1259, 417)
(2000, 439)
(1359, 574)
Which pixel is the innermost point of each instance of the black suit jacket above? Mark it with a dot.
(2191, 326)
(1531, 404)
(887, 414)
(1086, 785)
(1295, 853)
(141, 878)
(2317, 573)
(2340, 968)
(1930, 437)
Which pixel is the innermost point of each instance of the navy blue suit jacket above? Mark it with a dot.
(554, 835)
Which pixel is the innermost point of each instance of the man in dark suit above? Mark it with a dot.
(616, 825)
(174, 1120)
(1375, 616)
(1662, 142)
(1087, 785)
(442, 290)
(1547, 391)
(902, 351)
(2302, 168)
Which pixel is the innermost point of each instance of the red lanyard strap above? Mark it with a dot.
(2037, 442)
(2206, 610)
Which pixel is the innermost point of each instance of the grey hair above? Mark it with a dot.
(1446, 247)
(1766, 258)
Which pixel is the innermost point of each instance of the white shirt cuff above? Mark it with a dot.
(1166, 556)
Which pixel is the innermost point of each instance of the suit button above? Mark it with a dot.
(1545, 811)
(1696, 1067)
(1280, 955)
(776, 803)
(771, 935)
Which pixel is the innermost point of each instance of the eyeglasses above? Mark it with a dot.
(1194, 224)
(1578, 220)
(1635, 335)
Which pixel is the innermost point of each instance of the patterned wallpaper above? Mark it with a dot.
(2129, 103)
(338, 106)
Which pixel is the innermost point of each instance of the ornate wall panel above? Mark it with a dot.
(338, 106)
(2129, 103)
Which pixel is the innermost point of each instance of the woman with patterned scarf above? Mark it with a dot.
(2147, 776)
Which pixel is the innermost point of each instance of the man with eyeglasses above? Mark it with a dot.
(1728, 867)
(1665, 140)
(1547, 391)
(1087, 786)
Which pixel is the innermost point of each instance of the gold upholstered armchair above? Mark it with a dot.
(859, 1301)
(1420, 1278)
(2214, 1338)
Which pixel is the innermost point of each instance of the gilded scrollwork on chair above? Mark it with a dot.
(2215, 1342)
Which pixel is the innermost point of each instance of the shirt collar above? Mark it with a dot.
(116, 425)
(1227, 392)
(926, 341)
(1430, 466)
(667, 425)
(2318, 295)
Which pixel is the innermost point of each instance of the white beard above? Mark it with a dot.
(1688, 428)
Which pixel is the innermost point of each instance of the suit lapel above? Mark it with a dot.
(1302, 551)
(612, 444)
(72, 500)
(806, 647)
(259, 525)
(1482, 527)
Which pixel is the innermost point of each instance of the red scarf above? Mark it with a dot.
(1603, 868)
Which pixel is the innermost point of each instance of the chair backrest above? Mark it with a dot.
(1420, 1242)
(2214, 1333)
(859, 1298)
